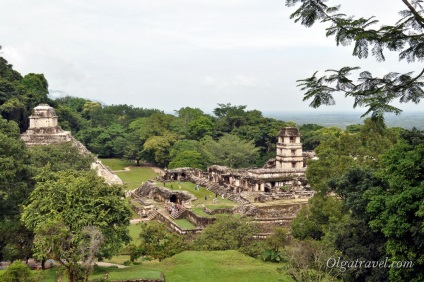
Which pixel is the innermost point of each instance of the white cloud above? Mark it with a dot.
(168, 54)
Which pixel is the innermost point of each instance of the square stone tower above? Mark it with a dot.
(44, 118)
(44, 128)
(289, 149)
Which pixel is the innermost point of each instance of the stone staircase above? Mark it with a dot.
(152, 214)
(176, 214)
(211, 186)
(220, 190)
(246, 209)
(238, 199)
(140, 199)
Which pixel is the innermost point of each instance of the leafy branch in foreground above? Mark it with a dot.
(375, 93)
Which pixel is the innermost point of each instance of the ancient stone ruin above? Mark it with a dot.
(44, 129)
(271, 195)
(284, 174)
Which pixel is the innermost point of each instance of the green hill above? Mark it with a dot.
(215, 266)
(195, 266)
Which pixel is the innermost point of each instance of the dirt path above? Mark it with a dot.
(156, 169)
(107, 264)
(137, 220)
(125, 169)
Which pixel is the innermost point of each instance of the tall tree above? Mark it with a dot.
(228, 232)
(229, 150)
(373, 92)
(397, 210)
(70, 212)
(16, 184)
(59, 157)
(157, 242)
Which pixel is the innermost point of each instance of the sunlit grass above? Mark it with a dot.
(136, 176)
(200, 212)
(132, 178)
(135, 230)
(216, 266)
(184, 224)
(117, 164)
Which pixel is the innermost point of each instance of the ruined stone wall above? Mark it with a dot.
(197, 220)
(151, 191)
(174, 227)
(218, 211)
(267, 226)
(280, 211)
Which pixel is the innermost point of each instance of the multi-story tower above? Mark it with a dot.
(44, 117)
(289, 149)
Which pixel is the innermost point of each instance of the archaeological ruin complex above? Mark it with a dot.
(271, 195)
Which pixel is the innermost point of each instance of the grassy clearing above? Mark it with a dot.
(135, 231)
(217, 206)
(184, 224)
(200, 212)
(195, 266)
(135, 272)
(118, 259)
(132, 178)
(136, 176)
(117, 164)
(215, 266)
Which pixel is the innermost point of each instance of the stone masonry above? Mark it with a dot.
(44, 129)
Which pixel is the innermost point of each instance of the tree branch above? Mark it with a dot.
(417, 16)
(404, 85)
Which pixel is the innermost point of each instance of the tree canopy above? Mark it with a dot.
(72, 211)
(372, 92)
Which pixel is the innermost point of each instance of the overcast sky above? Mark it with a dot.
(170, 54)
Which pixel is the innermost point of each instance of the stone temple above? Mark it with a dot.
(44, 129)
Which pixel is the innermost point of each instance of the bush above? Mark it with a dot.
(272, 255)
(20, 272)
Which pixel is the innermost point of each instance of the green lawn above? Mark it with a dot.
(118, 259)
(135, 231)
(135, 176)
(117, 164)
(132, 178)
(114, 273)
(135, 272)
(200, 212)
(195, 266)
(215, 266)
(217, 206)
(184, 224)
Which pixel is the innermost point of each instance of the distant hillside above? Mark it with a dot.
(405, 120)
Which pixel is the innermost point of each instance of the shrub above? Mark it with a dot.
(20, 272)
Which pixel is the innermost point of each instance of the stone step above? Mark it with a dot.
(152, 214)
(176, 215)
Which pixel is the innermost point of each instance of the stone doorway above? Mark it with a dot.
(173, 198)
